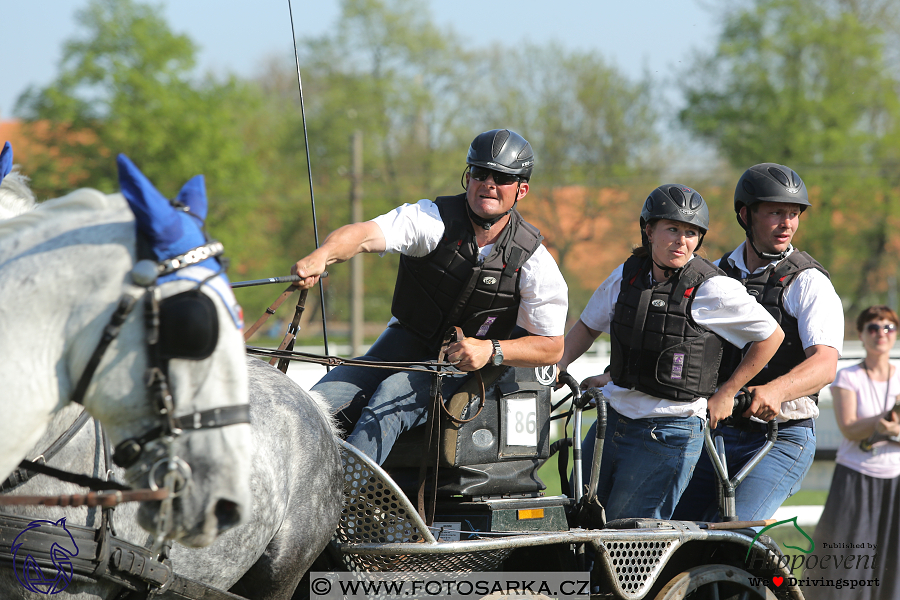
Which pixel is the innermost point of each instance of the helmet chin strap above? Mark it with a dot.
(486, 224)
(762, 255)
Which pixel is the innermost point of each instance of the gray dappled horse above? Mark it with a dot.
(296, 484)
(65, 269)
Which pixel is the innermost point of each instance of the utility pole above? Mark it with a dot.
(356, 264)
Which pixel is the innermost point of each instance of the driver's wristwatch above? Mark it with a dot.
(497, 355)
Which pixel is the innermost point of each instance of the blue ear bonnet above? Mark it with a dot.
(171, 230)
(5, 160)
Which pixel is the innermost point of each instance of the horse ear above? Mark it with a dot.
(193, 195)
(6, 160)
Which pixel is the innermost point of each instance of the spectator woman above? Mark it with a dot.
(863, 506)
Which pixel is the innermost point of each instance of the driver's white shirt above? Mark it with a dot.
(721, 304)
(416, 229)
(811, 299)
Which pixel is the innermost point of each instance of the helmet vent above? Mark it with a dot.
(678, 196)
(780, 176)
(695, 201)
(524, 153)
(499, 140)
(748, 187)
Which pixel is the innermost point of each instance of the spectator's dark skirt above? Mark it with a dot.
(860, 510)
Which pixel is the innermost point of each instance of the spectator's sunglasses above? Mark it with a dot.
(874, 328)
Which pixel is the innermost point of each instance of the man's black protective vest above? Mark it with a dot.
(657, 348)
(768, 287)
(449, 287)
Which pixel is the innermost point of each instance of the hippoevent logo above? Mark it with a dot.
(44, 580)
(839, 566)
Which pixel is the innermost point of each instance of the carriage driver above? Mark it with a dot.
(468, 260)
(769, 199)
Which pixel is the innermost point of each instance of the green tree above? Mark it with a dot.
(126, 84)
(808, 84)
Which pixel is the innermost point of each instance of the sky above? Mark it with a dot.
(652, 35)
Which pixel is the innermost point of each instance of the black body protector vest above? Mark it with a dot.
(768, 287)
(657, 348)
(449, 287)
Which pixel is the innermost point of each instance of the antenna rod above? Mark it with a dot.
(312, 196)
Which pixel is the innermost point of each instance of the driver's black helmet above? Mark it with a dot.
(502, 150)
(770, 182)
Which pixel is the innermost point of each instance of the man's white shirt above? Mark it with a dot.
(416, 229)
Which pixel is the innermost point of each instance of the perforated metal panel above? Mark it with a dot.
(377, 512)
(637, 564)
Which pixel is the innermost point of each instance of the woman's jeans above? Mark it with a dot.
(377, 405)
(646, 463)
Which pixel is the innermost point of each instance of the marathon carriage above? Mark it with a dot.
(482, 507)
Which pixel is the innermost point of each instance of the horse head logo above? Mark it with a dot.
(44, 580)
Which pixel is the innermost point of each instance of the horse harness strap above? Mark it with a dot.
(23, 473)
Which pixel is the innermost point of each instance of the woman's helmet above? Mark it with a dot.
(502, 150)
(675, 202)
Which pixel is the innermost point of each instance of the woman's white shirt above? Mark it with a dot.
(721, 304)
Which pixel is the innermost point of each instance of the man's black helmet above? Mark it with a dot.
(675, 202)
(770, 182)
(502, 150)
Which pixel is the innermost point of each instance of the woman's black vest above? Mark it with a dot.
(768, 287)
(449, 287)
(657, 348)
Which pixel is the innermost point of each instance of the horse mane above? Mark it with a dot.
(15, 195)
(67, 207)
(325, 410)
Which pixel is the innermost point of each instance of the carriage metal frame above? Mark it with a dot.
(381, 531)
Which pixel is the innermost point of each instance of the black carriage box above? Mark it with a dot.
(497, 452)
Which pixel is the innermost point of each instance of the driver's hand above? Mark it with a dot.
(470, 354)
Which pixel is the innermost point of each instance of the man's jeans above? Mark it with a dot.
(377, 405)
(646, 463)
(769, 484)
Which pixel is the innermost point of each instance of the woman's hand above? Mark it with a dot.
(889, 426)
(596, 381)
(720, 406)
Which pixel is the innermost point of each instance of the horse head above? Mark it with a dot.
(193, 434)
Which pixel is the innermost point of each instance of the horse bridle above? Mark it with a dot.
(159, 442)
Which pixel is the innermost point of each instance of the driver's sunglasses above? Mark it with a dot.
(481, 174)
(875, 328)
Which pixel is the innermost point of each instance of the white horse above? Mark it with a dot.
(297, 486)
(65, 270)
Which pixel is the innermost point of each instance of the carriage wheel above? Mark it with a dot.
(719, 582)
